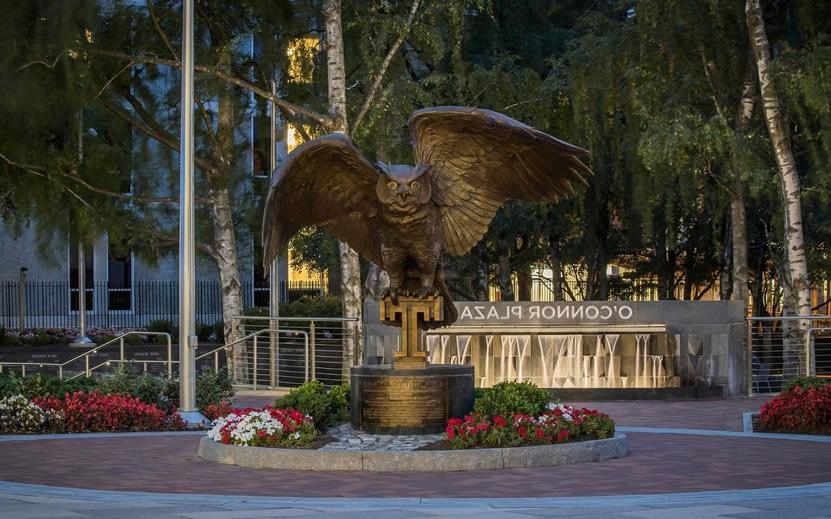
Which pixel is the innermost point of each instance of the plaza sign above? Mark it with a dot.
(474, 312)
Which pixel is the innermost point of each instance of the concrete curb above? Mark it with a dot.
(415, 461)
(240, 503)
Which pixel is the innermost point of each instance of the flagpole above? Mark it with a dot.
(187, 244)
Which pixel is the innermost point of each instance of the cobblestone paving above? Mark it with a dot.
(352, 440)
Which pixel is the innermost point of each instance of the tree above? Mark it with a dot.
(797, 267)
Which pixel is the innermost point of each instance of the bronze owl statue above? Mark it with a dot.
(469, 161)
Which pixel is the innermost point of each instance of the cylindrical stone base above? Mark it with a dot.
(410, 401)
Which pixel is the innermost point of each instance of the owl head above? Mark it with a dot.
(402, 185)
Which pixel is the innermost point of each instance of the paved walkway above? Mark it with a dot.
(647, 481)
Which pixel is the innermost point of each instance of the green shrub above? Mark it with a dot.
(162, 326)
(133, 339)
(806, 383)
(40, 385)
(41, 339)
(212, 388)
(211, 333)
(508, 398)
(341, 396)
(306, 306)
(312, 398)
(9, 339)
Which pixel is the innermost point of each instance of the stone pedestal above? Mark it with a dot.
(410, 401)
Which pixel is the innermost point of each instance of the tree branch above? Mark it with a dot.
(379, 76)
(162, 135)
(205, 116)
(44, 173)
(287, 107)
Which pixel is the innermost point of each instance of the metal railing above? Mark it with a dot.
(254, 363)
(331, 350)
(63, 368)
(267, 356)
(780, 349)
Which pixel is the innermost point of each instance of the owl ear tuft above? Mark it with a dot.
(383, 168)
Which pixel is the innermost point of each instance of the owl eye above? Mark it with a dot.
(392, 185)
(414, 184)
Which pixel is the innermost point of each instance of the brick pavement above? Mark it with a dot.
(657, 464)
(721, 414)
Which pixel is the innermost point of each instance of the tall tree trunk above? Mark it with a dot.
(503, 275)
(350, 264)
(725, 285)
(224, 245)
(796, 268)
(738, 216)
(525, 283)
(555, 255)
(481, 283)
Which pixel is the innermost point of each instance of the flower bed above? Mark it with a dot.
(800, 409)
(83, 412)
(264, 427)
(557, 424)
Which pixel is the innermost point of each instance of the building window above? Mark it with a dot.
(261, 143)
(73, 275)
(119, 280)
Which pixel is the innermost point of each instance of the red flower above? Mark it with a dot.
(539, 433)
(499, 421)
(522, 432)
(562, 435)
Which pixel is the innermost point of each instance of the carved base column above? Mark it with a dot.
(408, 313)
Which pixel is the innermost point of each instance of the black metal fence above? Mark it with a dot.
(55, 305)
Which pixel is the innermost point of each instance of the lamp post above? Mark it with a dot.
(187, 244)
(81, 339)
(274, 268)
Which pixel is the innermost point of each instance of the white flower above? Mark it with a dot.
(566, 410)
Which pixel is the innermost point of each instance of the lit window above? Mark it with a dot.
(73, 275)
(300, 54)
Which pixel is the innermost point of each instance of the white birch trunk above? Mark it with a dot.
(225, 247)
(796, 267)
(738, 216)
(349, 262)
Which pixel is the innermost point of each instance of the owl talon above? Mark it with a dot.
(392, 293)
(425, 292)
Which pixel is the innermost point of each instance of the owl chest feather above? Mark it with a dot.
(409, 225)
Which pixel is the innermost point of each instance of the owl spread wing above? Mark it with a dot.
(479, 159)
(328, 183)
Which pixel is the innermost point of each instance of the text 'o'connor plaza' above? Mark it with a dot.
(415, 258)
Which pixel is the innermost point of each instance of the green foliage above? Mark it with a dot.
(507, 398)
(162, 326)
(326, 407)
(806, 383)
(212, 388)
(306, 306)
(42, 385)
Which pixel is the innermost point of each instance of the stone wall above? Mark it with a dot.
(700, 343)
